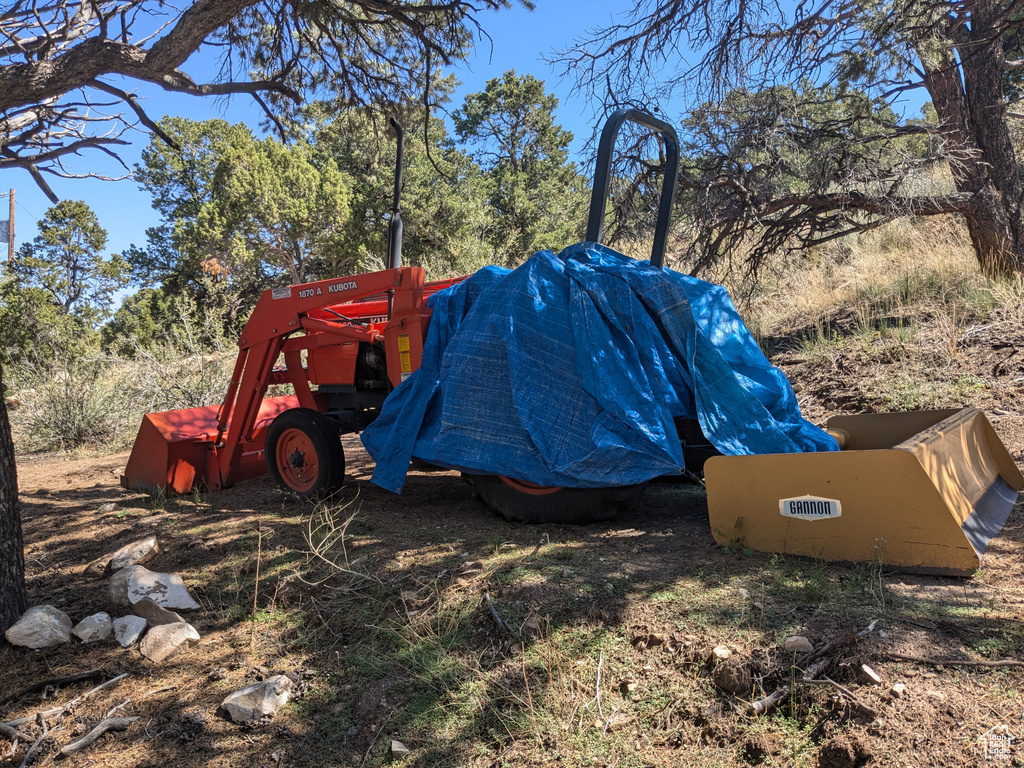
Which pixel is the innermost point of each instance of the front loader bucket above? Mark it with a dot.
(922, 491)
(175, 450)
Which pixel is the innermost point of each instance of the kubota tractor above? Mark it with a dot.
(362, 336)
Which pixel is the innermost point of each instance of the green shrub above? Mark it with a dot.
(34, 330)
(72, 406)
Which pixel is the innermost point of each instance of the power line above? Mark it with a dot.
(26, 210)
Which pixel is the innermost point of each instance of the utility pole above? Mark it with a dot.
(10, 230)
(10, 233)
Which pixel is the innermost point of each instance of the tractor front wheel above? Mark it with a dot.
(304, 454)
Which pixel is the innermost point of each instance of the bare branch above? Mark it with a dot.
(133, 102)
(796, 101)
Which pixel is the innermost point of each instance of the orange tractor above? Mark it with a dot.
(356, 352)
(362, 336)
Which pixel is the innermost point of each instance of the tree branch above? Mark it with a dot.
(133, 102)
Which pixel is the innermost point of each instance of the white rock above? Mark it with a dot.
(744, 594)
(870, 674)
(128, 629)
(135, 553)
(106, 508)
(160, 642)
(119, 585)
(258, 700)
(898, 690)
(798, 644)
(398, 749)
(93, 628)
(722, 652)
(165, 589)
(40, 627)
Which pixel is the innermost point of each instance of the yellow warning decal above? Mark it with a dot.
(404, 356)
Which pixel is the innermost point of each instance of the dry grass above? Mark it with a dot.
(896, 319)
(901, 262)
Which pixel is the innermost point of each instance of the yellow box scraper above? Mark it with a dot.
(922, 491)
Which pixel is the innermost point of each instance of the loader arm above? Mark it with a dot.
(213, 447)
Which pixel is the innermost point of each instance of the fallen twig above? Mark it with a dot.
(107, 724)
(42, 724)
(112, 710)
(61, 710)
(541, 543)
(376, 736)
(609, 721)
(957, 662)
(769, 702)
(164, 689)
(841, 641)
(14, 733)
(90, 675)
(502, 624)
(772, 700)
(843, 690)
(597, 687)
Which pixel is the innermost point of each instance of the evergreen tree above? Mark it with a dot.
(66, 261)
(538, 197)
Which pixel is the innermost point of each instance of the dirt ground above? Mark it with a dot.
(617, 625)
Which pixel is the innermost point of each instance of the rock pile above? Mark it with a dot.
(153, 599)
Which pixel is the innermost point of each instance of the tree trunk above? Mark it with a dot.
(967, 94)
(1001, 251)
(13, 599)
(995, 233)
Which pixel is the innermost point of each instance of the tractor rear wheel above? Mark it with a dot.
(304, 454)
(522, 502)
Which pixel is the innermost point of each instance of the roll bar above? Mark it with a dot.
(394, 246)
(602, 177)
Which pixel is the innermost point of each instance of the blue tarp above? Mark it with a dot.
(570, 369)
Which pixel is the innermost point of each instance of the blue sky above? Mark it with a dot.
(519, 40)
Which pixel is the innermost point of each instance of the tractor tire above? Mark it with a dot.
(304, 454)
(521, 502)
